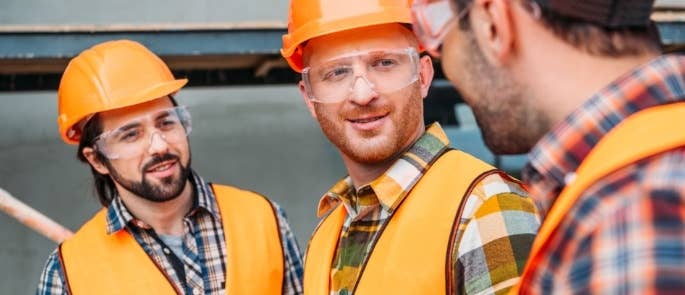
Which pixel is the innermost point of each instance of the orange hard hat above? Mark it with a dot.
(312, 18)
(109, 75)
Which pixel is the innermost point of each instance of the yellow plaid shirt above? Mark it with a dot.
(494, 236)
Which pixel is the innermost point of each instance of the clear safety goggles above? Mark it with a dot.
(383, 70)
(132, 138)
(432, 20)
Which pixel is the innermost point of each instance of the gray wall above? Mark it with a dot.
(107, 12)
(102, 12)
(261, 139)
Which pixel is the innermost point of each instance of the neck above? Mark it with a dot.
(164, 217)
(363, 173)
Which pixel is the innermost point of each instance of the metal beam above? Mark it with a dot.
(58, 45)
(64, 44)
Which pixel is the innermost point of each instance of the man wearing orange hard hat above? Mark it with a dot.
(164, 229)
(414, 216)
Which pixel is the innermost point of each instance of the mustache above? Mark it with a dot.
(157, 159)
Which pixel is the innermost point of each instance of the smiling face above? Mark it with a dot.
(369, 127)
(160, 171)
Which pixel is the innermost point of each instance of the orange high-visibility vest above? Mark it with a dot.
(413, 252)
(646, 133)
(97, 263)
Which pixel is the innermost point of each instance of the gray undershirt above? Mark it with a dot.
(175, 243)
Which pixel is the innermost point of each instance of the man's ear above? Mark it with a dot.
(307, 100)
(492, 24)
(89, 154)
(426, 73)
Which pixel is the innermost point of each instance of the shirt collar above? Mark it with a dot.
(393, 185)
(555, 158)
(118, 216)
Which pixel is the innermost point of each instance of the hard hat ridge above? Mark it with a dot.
(107, 76)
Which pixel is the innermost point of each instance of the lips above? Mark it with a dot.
(162, 169)
(368, 122)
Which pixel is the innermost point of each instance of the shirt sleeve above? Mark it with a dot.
(293, 268)
(52, 278)
(496, 232)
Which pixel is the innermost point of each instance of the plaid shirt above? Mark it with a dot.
(495, 233)
(203, 240)
(626, 233)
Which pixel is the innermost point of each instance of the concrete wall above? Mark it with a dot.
(105, 12)
(259, 138)
(256, 138)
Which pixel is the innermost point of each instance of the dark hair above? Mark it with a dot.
(104, 185)
(592, 38)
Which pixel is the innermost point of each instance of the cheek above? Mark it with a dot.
(449, 63)
(451, 50)
(128, 169)
(326, 112)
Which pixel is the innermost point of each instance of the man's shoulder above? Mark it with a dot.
(647, 178)
(51, 279)
(226, 191)
(497, 191)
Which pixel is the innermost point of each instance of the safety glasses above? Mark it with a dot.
(383, 70)
(132, 138)
(432, 20)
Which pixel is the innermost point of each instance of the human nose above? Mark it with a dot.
(158, 146)
(363, 91)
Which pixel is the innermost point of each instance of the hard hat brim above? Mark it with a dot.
(72, 134)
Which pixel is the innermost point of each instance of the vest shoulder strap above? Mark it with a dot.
(97, 263)
(644, 134)
(254, 252)
(417, 236)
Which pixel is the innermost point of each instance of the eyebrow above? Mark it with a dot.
(129, 126)
(163, 115)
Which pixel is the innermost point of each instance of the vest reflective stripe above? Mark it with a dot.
(97, 263)
(644, 134)
(412, 255)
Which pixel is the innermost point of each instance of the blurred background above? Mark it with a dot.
(250, 130)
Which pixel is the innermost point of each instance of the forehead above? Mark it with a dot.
(115, 118)
(385, 36)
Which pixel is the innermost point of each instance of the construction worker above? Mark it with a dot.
(164, 229)
(583, 86)
(414, 216)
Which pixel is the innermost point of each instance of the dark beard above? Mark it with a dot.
(508, 121)
(169, 189)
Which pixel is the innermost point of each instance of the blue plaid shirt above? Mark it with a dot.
(203, 240)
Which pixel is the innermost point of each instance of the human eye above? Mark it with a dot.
(385, 63)
(335, 73)
(128, 135)
(168, 123)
